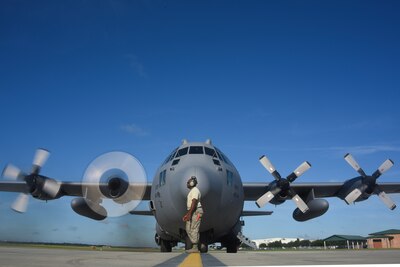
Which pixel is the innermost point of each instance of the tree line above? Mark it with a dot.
(293, 244)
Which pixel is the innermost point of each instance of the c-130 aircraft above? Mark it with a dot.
(115, 183)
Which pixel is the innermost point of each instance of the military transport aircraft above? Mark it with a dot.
(114, 183)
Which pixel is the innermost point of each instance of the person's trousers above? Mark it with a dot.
(193, 226)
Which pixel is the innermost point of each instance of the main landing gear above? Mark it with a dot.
(165, 245)
(231, 248)
(231, 243)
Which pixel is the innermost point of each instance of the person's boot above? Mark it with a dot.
(194, 249)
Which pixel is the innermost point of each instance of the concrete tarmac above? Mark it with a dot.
(43, 257)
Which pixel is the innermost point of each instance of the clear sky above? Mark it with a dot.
(295, 80)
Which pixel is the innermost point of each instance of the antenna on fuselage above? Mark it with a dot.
(208, 142)
(184, 142)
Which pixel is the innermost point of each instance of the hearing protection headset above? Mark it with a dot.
(192, 181)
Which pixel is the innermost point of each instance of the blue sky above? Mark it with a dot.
(308, 80)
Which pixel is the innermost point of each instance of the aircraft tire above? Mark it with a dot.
(203, 248)
(166, 246)
(188, 243)
(231, 248)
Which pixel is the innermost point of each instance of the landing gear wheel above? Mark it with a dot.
(231, 248)
(188, 243)
(203, 247)
(166, 246)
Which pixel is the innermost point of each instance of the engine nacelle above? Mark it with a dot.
(115, 188)
(280, 197)
(80, 206)
(39, 185)
(356, 183)
(317, 207)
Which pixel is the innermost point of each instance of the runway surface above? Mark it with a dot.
(19, 256)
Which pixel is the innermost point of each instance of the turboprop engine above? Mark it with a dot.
(113, 185)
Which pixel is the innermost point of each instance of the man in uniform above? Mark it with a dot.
(194, 213)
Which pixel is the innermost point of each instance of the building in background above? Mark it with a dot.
(345, 241)
(384, 239)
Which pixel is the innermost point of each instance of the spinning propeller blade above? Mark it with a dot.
(47, 185)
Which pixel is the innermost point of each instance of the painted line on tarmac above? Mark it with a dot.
(173, 262)
(210, 260)
(192, 260)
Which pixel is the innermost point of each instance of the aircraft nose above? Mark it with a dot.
(202, 179)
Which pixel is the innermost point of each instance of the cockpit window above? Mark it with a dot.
(223, 157)
(182, 151)
(196, 150)
(161, 179)
(170, 157)
(220, 156)
(229, 177)
(211, 152)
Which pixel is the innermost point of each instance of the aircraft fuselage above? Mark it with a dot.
(221, 190)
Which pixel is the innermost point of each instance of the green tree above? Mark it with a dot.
(317, 243)
(276, 244)
(262, 245)
(305, 243)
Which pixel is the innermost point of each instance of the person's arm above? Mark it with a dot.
(193, 207)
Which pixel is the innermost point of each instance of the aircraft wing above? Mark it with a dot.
(252, 191)
(8, 186)
(255, 213)
(75, 189)
(142, 212)
(66, 189)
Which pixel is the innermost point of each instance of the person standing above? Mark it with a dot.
(194, 213)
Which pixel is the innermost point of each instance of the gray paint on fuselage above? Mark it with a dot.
(222, 200)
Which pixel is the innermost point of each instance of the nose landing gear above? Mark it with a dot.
(203, 247)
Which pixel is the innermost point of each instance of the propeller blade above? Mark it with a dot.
(383, 168)
(270, 168)
(387, 200)
(12, 172)
(51, 187)
(266, 198)
(299, 171)
(353, 163)
(39, 159)
(21, 203)
(352, 196)
(300, 203)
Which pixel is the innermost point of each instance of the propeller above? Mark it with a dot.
(282, 185)
(369, 182)
(33, 180)
(114, 184)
